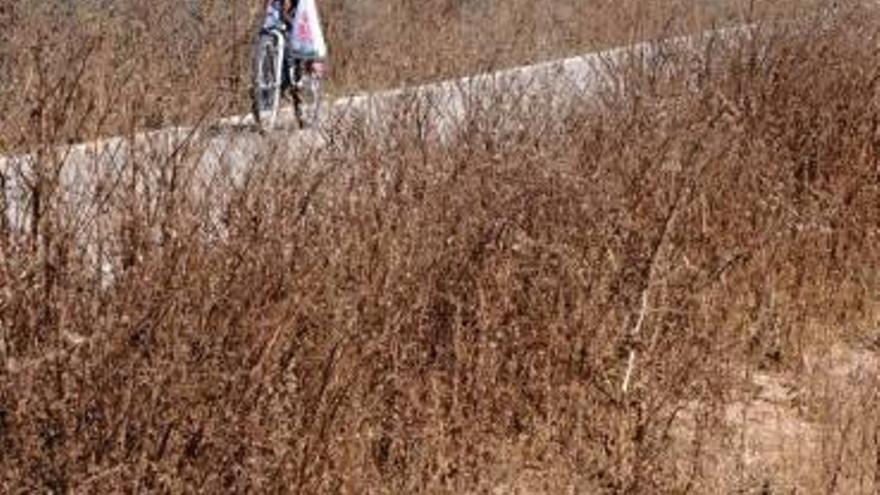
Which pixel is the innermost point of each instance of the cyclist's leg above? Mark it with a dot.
(288, 65)
(285, 75)
(298, 70)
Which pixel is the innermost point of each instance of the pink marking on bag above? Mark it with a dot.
(305, 32)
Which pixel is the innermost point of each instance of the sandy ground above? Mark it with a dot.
(783, 434)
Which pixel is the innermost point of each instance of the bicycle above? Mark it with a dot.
(272, 78)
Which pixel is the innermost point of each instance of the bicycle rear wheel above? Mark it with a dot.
(308, 99)
(266, 96)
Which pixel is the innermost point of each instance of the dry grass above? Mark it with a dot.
(396, 314)
(105, 68)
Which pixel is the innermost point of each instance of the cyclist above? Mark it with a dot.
(282, 11)
(302, 62)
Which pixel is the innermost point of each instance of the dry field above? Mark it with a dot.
(671, 286)
(105, 67)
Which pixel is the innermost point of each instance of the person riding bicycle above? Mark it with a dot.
(291, 37)
(282, 11)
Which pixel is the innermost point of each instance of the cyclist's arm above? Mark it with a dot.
(289, 11)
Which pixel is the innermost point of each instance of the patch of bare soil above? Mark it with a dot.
(792, 432)
(784, 432)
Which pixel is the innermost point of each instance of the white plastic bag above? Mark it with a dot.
(307, 39)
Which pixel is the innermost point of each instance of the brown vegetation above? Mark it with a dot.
(106, 67)
(395, 314)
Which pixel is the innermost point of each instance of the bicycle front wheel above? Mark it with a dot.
(266, 96)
